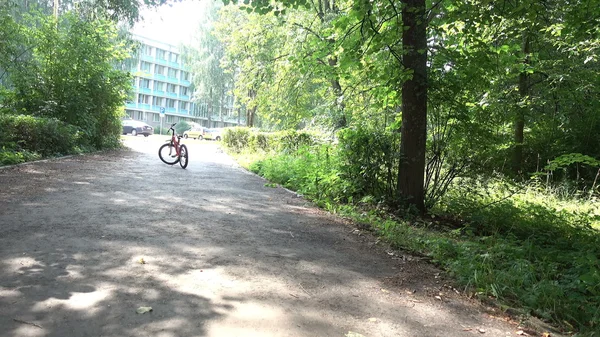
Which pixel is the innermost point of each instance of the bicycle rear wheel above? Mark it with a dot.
(183, 156)
(168, 154)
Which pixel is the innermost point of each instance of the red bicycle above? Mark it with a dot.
(173, 151)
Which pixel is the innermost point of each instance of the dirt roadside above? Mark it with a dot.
(87, 240)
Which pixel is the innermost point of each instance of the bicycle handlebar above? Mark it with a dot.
(171, 128)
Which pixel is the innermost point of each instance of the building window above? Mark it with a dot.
(160, 54)
(183, 105)
(139, 116)
(146, 49)
(184, 90)
(172, 72)
(170, 119)
(170, 103)
(155, 117)
(185, 75)
(159, 85)
(158, 69)
(143, 98)
(145, 83)
(174, 57)
(157, 101)
(171, 88)
(145, 66)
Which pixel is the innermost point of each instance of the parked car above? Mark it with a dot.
(196, 133)
(136, 128)
(213, 134)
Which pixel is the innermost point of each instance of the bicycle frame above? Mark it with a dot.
(174, 140)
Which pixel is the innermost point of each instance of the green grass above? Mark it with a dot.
(522, 246)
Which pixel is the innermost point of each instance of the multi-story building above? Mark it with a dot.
(163, 86)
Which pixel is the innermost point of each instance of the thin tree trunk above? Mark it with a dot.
(221, 106)
(519, 122)
(252, 111)
(414, 105)
(210, 108)
(337, 90)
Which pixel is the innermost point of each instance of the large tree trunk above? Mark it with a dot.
(519, 122)
(414, 105)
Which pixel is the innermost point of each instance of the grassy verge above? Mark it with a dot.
(521, 246)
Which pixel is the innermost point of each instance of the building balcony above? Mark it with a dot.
(185, 97)
(142, 73)
(148, 58)
(172, 94)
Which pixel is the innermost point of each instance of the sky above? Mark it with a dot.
(174, 23)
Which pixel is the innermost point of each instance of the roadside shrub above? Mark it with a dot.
(181, 127)
(32, 136)
(291, 141)
(69, 74)
(10, 156)
(237, 139)
(260, 141)
(369, 161)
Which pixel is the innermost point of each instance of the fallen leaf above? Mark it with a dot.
(546, 334)
(481, 330)
(521, 333)
(353, 334)
(385, 291)
(373, 319)
(143, 310)
(141, 261)
(438, 297)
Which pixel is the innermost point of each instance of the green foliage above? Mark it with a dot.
(237, 139)
(529, 249)
(369, 162)
(8, 156)
(570, 159)
(181, 127)
(69, 74)
(242, 138)
(24, 138)
(518, 244)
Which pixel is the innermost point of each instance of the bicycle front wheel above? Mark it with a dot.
(168, 154)
(183, 156)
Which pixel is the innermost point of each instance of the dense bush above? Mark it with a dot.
(369, 161)
(181, 127)
(24, 138)
(237, 139)
(244, 139)
(65, 71)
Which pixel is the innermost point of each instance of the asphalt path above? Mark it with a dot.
(214, 250)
